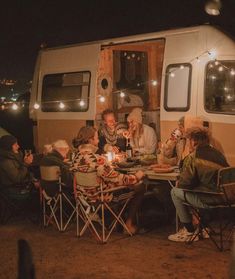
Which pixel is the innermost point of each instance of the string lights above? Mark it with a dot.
(208, 54)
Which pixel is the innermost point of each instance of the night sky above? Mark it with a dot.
(26, 24)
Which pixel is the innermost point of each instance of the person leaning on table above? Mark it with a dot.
(111, 133)
(86, 160)
(199, 172)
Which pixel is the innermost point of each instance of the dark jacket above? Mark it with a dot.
(55, 159)
(200, 169)
(13, 170)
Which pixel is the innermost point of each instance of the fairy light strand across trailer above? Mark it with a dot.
(170, 74)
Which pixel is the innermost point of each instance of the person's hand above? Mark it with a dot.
(28, 159)
(126, 134)
(115, 149)
(139, 174)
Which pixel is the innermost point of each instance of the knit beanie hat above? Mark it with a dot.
(135, 115)
(7, 141)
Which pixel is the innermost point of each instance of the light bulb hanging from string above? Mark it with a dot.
(102, 99)
(61, 105)
(36, 106)
(221, 68)
(154, 82)
(15, 106)
(212, 54)
(232, 72)
(82, 103)
(122, 94)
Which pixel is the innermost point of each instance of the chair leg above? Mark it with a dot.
(73, 207)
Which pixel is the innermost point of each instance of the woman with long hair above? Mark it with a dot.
(86, 160)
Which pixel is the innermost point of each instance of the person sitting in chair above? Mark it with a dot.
(57, 157)
(111, 133)
(87, 161)
(199, 172)
(14, 173)
(143, 138)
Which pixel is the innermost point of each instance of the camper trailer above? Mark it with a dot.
(170, 74)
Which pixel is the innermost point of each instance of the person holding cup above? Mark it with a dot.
(14, 173)
(111, 137)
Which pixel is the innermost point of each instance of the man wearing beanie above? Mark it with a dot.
(14, 172)
(142, 137)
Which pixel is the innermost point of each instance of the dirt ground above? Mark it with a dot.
(151, 255)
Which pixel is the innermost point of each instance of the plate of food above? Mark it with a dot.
(162, 168)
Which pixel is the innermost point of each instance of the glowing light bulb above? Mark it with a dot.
(181, 67)
(221, 68)
(172, 75)
(82, 103)
(122, 94)
(36, 106)
(102, 99)
(15, 106)
(154, 82)
(61, 105)
(232, 72)
(212, 54)
(216, 63)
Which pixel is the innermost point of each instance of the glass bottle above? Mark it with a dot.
(129, 151)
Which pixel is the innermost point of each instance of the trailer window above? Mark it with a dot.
(177, 87)
(220, 87)
(66, 92)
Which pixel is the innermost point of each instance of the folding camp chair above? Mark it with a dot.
(54, 207)
(93, 202)
(226, 194)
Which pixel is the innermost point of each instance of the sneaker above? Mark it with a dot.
(183, 236)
